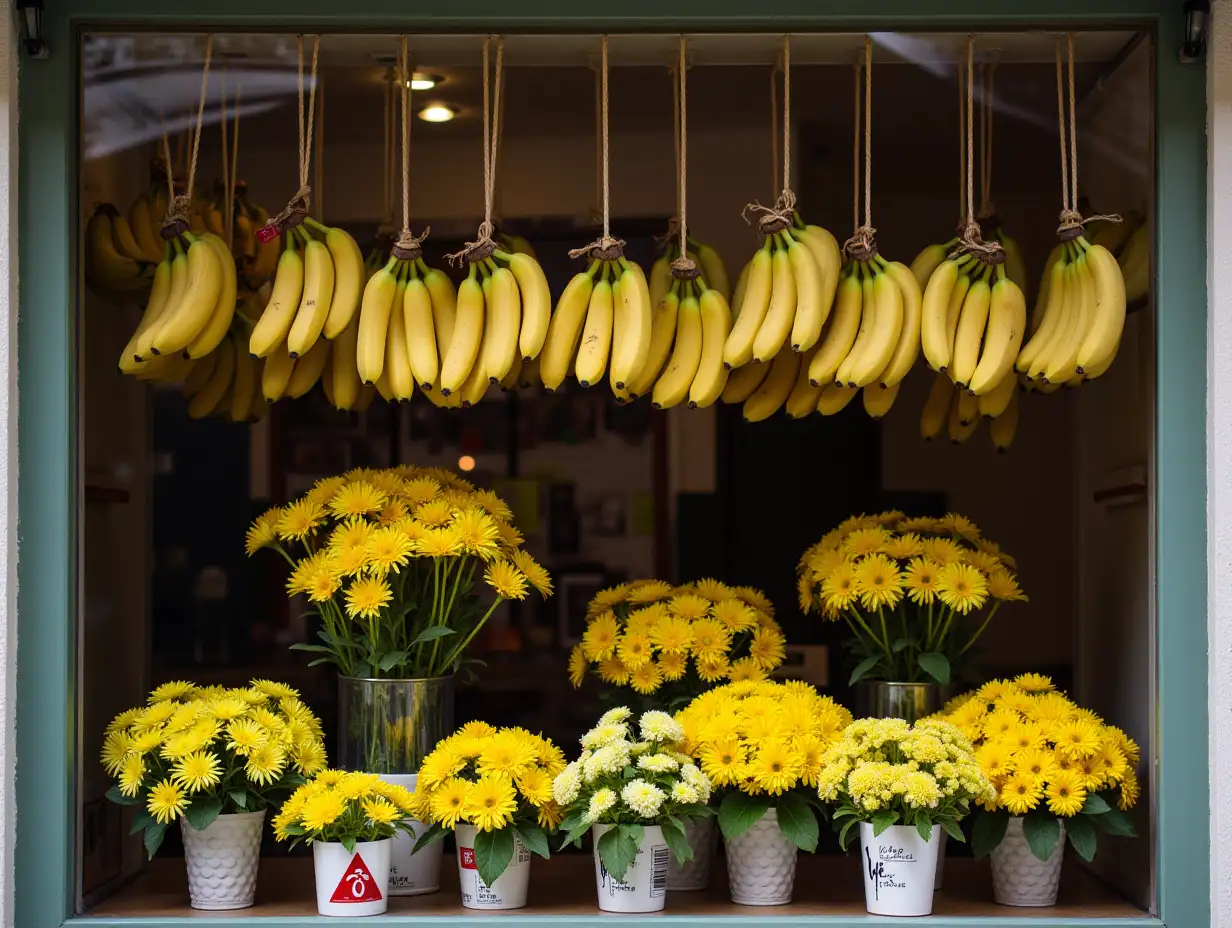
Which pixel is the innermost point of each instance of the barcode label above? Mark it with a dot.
(658, 871)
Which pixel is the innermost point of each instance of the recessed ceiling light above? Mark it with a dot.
(422, 80)
(437, 112)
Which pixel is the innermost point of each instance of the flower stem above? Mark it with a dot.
(979, 631)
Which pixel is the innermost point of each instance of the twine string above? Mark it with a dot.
(771, 219)
(483, 245)
(407, 246)
(297, 207)
(962, 146)
(863, 242)
(684, 266)
(1070, 218)
(971, 241)
(605, 247)
(179, 207)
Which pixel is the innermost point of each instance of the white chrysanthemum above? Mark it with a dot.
(693, 776)
(685, 794)
(611, 758)
(600, 802)
(568, 784)
(603, 734)
(661, 727)
(615, 716)
(643, 798)
(657, 763)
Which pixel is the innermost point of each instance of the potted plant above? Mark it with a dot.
(350, 820)
(402, 567)
(916, 593)
(1060, 773)
(215, 760)
(492, 788)
(634, 790)
(903, 785)
(658, 646)
(761, 745)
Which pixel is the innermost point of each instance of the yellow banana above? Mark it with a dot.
(753, 308)
(1135, 261)
(444, 306)
(879, 399)
(743, 382)
(714, 271)
(810, 313)
(711, 376)
(397, 362)
(1041, 298)
(475, 387)
(972, 320)
(129, 359)
(769, 398)
(632, 327)
(308, 370)
(742, 283)
(275, 322)
(528, 376)
(349, 278)
(934, 338)
(243, 390)
(207, 399)
(888, 325)
(1103, 336)
(565, 329)
(908, 348)
(511, 379)
(223, 314)
(373, 317)
(936, 407)
(927, 261)
(382, 387)
(954, 311)
(535, 298)
(192, 313)
(1003, 428)
(200, 374)
(784, 297)
(994, 402)
(596, 341)
(1064, 331)
(463, 353)
(968, 408)
(660, 277)
(867, 330)
(212, 217)
(837, 342)
(504, 322)
(673, 384)
(175, 291)
(1055, 288)
(1007, 320)
(835, 397)
(244, 236)
(122, 236)
(420, 332)
(662, 334)
(261, 268)
(276, 374)
(1015, 269)
(958, 427)
(829, 261)
(142, 222)
(802, 401)
(103, 261)
(344, 380)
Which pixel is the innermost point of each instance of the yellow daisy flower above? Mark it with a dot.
(322, 810)
(300, 519)
(478, 534)
(367, 596)
(645, 678)
(649, 591)
(1078, 738)
(634, 649)
(736, 615)
(754, 598)
(710, 640)
(388, 549)
(197, 771)
(920, 581)
(1003, 586)
(448, 804)
(839, 589)
(421, 490)
(611, 670)
(506, 580)
(690, 607)
(723, 761)
(1021, 793)
(905, 546)
(746, 668)
(775, 767)
(578, 665)
(712, 589)
(1065, 792)
(535, 574)
(714, 669)
(767, 648)
(878, 582)
(131, 775)
(434, 514)
(263, 533)
(491, 803)
(943, 551)
(166, 802)
(864, 541)
(1033, 682)
(607, 599)
(961, 587)
(359, 498)
(673, 666)
(672, 635)
(266, 763)
(1130, 791)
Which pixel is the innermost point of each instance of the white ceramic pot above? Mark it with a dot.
(940, 878)
(412, 874)
(509, 890)
(694, 874)
(645, 884)
(761, 864)
(899, 869)
(222, 861)
(1018, 876)
(352, 883)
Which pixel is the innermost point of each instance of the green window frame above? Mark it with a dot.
(49, 484)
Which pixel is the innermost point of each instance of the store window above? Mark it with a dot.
(603, 489)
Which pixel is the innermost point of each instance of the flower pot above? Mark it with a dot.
(1018, 876)
(412, 874)
(390, 726)
(222, 861)
(694, 874)
(352, 883)
(899, 869)
(878, 699)
(761, 864)
(509, 890)
(940, 878)
(644, 888)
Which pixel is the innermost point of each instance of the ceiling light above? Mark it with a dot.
(466, 462)
(437, 112)
(422, 80)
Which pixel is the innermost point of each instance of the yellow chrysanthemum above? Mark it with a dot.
(611, 670)
(172, 691)
(864, 541)
(1078, 738)
(435, 513)
(167, 802)
(961, 587)
(723, 761)
(197, 771)
(491, 803)
(1003, 586)
(645, 678)
(634, 649)
(673, 666)
(735, 614)
(322, 810)
(754, 598)
(878, 582)
(689, 606)
(1021, 793)
(767, 648)
(1065, 792)
(822, 562)
(478, 533)
(1039, 763)
(388, 549)
(775, 767)
(839, 589)
(649, 591)
(300, 519)
(713, 669)
(535, 574)
(672, 635)
(993, 759)
(440, 542)
(943, 551)
(905, 546)
(607, 599)
(421, 490)
(712, 589)
(309, 757)
(920, 581)
(266, 763)
(1130, 790)
(448, 803)
(508, 753)
(263, 533)
(601, 637)
(711, 639)
(746, 668)
(381, 811)
(367, 596)
(578, 665)
(131, 775)
(360, 498)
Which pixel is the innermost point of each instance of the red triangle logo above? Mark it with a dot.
(357, 884)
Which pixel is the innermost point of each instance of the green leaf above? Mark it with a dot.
(154, 838)
(392, 659)
(739, 812)
(901, 644)
(797, 822)
(240, 798)
(141, 821)
(534, 838)
(618, 849)
(988, 832)
(924, 826)
(952, 829)
(201, 814)
(936, 665)
(1095, 805)
(677, 840)
(312, 648)
(1081, 836)
(432, 633)
(430, 837)
(348, 841)
(695, 810)
(844, 835)
(1115, 822)
(120, 799)
(862, 669)
(493, 851)
(1041, 829)
(883, 819)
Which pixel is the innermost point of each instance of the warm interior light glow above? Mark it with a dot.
(421, 80)
(437, 112)
(466, 462)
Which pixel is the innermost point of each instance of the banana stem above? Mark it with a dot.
(312, 223)
(502, 256)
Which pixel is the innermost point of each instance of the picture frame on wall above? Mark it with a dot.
(574, 591)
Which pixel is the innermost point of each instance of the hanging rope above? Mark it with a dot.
(863, 243)
(498, 194)
(970, 240)
(228, 182)
(774, 123)
(319, 141)
(1071, 223)
(179, 207)
(684, 267)
(297, 207)
(962, 149)
(483, 246)
(988, 90)
(775, 218)
(605, 248)
(855, 153)
(408, 247)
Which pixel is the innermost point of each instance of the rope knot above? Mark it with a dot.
(479, 250)
(685, 268)
(771, 219)
(409, 247)
(862, 246)
(176, 221)
(294, 212)
(971, 242)
(604, 248)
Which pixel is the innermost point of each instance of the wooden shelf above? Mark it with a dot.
(564, 886)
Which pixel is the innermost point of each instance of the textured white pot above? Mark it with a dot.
(761, 864)
(412, 874)
(899, 869)
(940, 862)
(1018, 876)
(509, 890)
(222, 861)
(645, 885)
(351, 883)
(694, 874)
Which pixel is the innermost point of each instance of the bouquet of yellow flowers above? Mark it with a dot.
(1049, 760)
(916, 593)
(761, 744)
(390, 560)
(498, 780)
(199, 752)
(631, 774)
(887, 772)
(671, 643)
(346, 808)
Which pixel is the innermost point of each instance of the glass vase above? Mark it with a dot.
(390, 726)
(879, 699)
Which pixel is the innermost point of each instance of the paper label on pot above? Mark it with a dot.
(510, 888)
(357, 884)
(885, 871)
(611, 887)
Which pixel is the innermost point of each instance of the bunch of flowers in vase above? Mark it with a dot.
(492, 789)
(1060, 772)
(902, 785)
(916, 593)
(761, 745)
(214, 759)
(669, 643)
